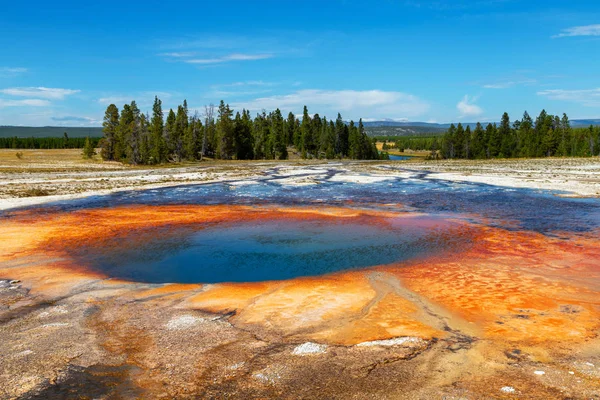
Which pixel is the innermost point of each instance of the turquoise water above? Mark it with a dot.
(399, 158)
(270, 250)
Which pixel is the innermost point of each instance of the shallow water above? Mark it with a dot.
(535, 210)
(398, 158)
(270, 250)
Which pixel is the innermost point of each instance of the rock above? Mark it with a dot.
(392, 342)
(309, 348)
(508, 389)
(183, 322)
(455, 347)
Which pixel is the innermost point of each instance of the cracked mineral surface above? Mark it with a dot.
(508, 287)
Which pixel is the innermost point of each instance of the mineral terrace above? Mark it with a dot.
(515, 314)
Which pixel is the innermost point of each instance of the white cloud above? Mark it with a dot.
(222, 94)
(585, 30)
(73, 118)
(351, 103)
(7, 72)
(509, 84)
(467, 108)
(178, 54)
(145, 98)
(246, 83)
(115, 100)
(227, 58)
(43, 92)
(192, 57)
(245, 88)
(24, 103)
(585, 97)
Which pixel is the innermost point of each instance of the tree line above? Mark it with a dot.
(64, 142)
(135, 138)
(547, 136)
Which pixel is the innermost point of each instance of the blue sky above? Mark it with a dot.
(62, 63)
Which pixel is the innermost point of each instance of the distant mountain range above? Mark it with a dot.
(408, 128)
(373, 128)
(410, 124)
(49, 131)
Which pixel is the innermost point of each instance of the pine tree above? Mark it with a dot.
(306, 138)
(507, 142)
(290, 128)
(170, 135)
(478, 142)
(123, 133)
(316, 129)
(526, 136)
(144, 140)
(564, 148)
(543, 124)
(244, 142)
(467, 143)
(495, 142)
(158, 152)
(261, 135)
(133, 135)
(367, 152)
(354, 142)
(181, 125)
(88, 149)
(192, 139)
(489, 134)
(448, 144)
(224, 132)
(459, 141)
(110, 125)
(278, 134)
(341, 138)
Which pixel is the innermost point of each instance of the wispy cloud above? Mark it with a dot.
(72, 118)
(40, 92)
(141, 98)
(115, 100)
(9, 72)
(190, 59)
(584, 30)
(448, 5)
(179, 54)
(24, 103)
(221, 94)
(352, 103)
(468, 108)
(216, 50)
(246, 83)
(509, 84)
(242, 88)
(585, 97)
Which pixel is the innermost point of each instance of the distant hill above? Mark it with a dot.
(396, 128)
(373, 128)
(49, 131)
(585, 122)
(408, 130)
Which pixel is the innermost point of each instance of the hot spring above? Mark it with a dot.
(267, 245)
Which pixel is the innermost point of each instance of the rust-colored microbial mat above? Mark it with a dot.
(482, 312)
